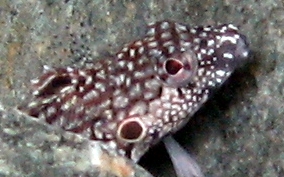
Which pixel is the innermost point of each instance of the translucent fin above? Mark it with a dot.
(184, 164)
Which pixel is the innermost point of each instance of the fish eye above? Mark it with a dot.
(131, 130)
(180, 69)
(173, 66)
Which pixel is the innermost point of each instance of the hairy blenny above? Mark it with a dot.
(149, 89)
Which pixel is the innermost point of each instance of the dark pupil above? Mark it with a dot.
(173, 66)
(131, 130)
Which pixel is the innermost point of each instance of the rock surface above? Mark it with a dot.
(237, 133)
(30, 148)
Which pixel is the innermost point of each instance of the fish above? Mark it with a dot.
(149, 89)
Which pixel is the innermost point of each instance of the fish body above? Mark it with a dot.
(149, 89)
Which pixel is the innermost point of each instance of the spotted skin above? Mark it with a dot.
(149, 89)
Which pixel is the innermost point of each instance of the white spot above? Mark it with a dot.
(218, 80)
(138, 43)
(193, 31)
(132, 53)
(91, 95)
(74, 81)
(81, 89)
(228, 55)
(204, 80)
(211, 42)
(210, 83)
(167, 106)
(120, 101)
(67, 89)
(184, 106)
(199, 56)
(125, 49)
(221, 73)
(203, 34)
(168, 43)
(165, 25)
(200, 71)
(51, 110)
(153, 44)
(190, 104)
(207, 29)
(101, 74)
(138, 74)
(188, 96)
(218, 37)
(130, 66)
(183, 114)
(149, 95)
(203, 51)
(89, 80)
(180, 28)
(151, 31)
(210, 52)
(224, 29)
(186, 44)
(121, 63)
(141, 50)
(121, 77)
(139, 108)
(82, 73)
(196, 48)
(208, 73)
(98, 133)
(166, 119)
(97, 66)
(232, 27)
(149, 39)
(121, 152)
(174, 118)
(100, 86)
(196, 40)
(166, 35)
(237, 36)
(171, 49)
(120, 55)
(35, 81)
(111, 144)
(228, 38)
(155, 52)
(176, 107)
(47, 68)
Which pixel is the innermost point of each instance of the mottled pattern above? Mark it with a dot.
(148, 89)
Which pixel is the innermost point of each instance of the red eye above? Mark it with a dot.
(173, 66)
(180, 69)
(131, 130)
